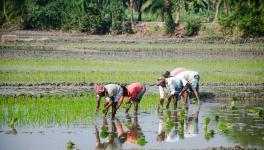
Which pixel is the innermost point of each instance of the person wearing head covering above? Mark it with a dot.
(135, 92)
(173, 72)
(113, 93)
(168, 74)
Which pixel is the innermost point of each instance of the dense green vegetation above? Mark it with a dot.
(212, 71)
(104, 16)
(46, 110)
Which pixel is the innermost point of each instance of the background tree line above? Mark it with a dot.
(117, 16)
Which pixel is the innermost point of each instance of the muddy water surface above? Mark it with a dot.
(148, 129)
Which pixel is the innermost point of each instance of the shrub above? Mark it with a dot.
(248, 18)
(127, 27)
(117, 16)
(193, 24)
(192, 28)
(95, 21)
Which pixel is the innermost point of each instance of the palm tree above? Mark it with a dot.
(168, 9)
(218, 5)
(4, 11)
(156, 7)
(179, 10)
(139, 4)
(161, 8)
(131, 5)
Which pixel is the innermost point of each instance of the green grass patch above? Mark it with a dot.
(211, 71)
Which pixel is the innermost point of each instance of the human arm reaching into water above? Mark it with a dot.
(195, 91)
(120, 101)
(98, 98)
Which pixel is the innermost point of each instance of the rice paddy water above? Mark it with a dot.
(62, 121)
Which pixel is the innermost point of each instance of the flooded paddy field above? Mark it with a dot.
(94, 50)
(47, 99)
(54, 121)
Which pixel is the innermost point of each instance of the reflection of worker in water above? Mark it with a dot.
(168, 131)
(134, 132)
(191, 129)
(112, 141)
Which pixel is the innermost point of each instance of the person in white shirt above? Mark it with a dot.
(190, 79)
(174, 85)
(113, 93)
(168, 74)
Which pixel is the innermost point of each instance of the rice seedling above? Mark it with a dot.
(182, 113)
(138, 46)
(42, 111)
(216, 118)
(206, 121)
(233, 103)
(118, 71)
(70, 145)
(140, 141)
(259, 111)
(48, 110)
(223, 127)
(104, 132)
(181, 128)
(209, 135)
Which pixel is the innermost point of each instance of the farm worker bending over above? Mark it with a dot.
(190, 79)
(175, 86)
(135, 92)
(113, 93)
(167, 74)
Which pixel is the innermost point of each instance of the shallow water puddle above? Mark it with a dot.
(150, 129)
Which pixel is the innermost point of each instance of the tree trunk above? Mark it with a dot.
(226, 7)
(169, 22)
(208, 5)
(208, 10)
(132, 10)
(139, 10)
(4, 11)
(178, 12)
(162, 16)
(168, 10)
(218, 4)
